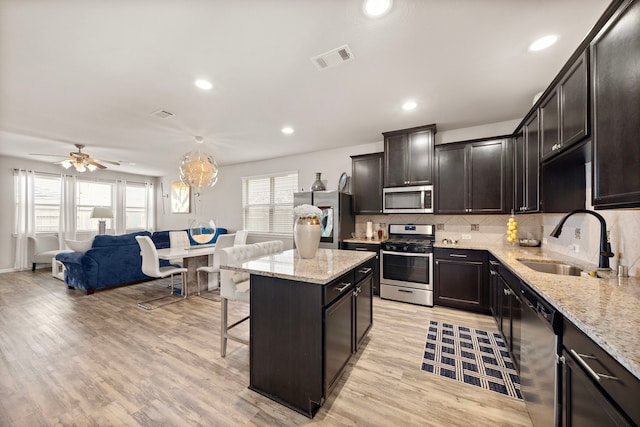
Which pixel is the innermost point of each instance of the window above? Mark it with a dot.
(135, 206)
(46, 194)
(267, 203)
(90, 195)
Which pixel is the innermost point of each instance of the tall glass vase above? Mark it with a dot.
(318, 185)
(306, 235)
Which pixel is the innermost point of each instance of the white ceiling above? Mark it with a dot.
(92, 71)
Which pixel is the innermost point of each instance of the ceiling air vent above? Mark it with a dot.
(163, 114)
(332, 58)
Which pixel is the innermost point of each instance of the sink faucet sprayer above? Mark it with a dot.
(605, 246)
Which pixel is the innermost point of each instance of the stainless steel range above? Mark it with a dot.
(406, 264)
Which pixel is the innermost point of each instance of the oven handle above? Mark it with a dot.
(413, 254)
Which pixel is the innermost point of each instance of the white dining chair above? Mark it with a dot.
(151, 267)
(241, 237)
(178, 239)
(224, 241)
(235, 285)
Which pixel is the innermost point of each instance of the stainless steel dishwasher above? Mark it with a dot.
(539, 373)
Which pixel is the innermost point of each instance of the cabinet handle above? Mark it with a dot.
(361, 249)
(506, 292)
(596, 376)
(365, 270)
(457, 255)
(405, 291)
(495, 263)
(344, 286)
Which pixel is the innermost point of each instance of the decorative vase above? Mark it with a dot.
(317, 184)
(306, 235)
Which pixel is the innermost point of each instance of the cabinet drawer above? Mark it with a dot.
(623, 390)
(371, 247)
(338, 287)
(461, 254)
(365, 269)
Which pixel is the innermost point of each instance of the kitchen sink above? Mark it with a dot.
(553, 267)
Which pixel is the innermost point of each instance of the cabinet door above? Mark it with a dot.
(420, 158)
(583, 405)
(338, 339)
(451, 185)
(395, 158)
(458, 284)
(549, 125)
(616, 110)
(519, 172)
(532, 166)
(516, 328)
(574, 114)
(364, 309)
(366, 183)
(505, 319)
(488, 179)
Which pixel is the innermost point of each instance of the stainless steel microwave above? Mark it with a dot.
(417, 199)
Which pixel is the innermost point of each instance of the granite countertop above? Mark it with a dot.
(375, 241)
(606, 309)
(327, 265)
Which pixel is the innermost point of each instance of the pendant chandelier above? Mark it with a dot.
(198, 170)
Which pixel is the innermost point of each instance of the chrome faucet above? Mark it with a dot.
(605, 246)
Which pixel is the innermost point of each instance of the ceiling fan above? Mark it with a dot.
(81, 161)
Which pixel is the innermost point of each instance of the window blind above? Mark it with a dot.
(267, 203)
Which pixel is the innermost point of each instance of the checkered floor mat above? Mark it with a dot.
(472, 356)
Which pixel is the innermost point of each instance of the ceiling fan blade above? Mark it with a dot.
(107, 161)
(49, 155)
(95, 163)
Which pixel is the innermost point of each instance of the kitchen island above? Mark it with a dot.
(308, 317)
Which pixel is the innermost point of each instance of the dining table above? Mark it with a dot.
(192, 258)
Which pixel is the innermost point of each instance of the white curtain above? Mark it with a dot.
(24, 216)
(68, 202)
(151, 207)
(120, 214)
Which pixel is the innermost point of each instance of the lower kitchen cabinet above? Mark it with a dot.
(461, 279)
(596, 389)
(371, 247)
(506, 307)
(363, 303)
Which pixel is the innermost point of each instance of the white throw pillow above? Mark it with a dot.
(79, 245)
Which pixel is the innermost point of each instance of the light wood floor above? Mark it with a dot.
(98, 360)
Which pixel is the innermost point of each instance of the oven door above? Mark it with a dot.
(411, 270)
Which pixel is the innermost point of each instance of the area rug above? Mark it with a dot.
(471, 356)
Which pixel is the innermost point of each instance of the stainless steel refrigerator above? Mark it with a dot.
(337, 220)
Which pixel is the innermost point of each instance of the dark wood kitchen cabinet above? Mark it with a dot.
(408, 155)
(616, 110)
(596, 389)
(474, 177)
(370, 247)
(366, 183)
(505, 306)
(461, 279)
(564, 113)
(526, 169)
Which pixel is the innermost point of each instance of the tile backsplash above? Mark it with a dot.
(623, 226)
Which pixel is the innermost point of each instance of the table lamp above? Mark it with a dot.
(102, 213)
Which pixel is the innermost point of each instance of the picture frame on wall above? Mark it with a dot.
(180, 198)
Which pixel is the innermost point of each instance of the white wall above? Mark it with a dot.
(476, 132)
(7, 165)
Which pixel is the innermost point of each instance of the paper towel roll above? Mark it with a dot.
(369, 230)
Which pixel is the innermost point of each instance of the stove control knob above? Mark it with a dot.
(405, 248)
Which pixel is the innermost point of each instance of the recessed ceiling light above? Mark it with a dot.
(409, 105)
(376, 8)
(203, 84)
(543, 43)
(287, 130)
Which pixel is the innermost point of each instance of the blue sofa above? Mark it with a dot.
(112, 261)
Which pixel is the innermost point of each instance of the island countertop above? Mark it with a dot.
(327, 265)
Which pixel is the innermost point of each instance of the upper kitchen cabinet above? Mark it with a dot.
(408, 156)
(483, 167)
(526, 169)
(366, 183)
(564, 112)
(615, 73)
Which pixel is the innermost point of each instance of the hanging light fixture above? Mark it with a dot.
(198, 170)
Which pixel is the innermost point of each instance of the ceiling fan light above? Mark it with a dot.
(91, 167)
(66, 164)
